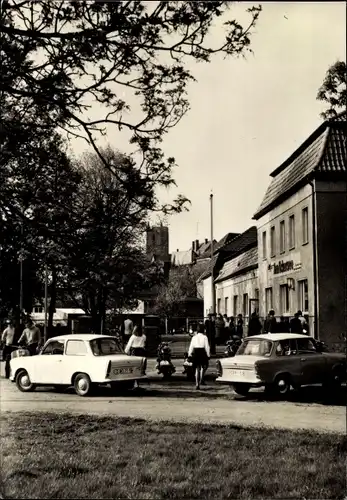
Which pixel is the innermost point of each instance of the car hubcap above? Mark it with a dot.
(82, 385)
(25, 381)
(282, 385)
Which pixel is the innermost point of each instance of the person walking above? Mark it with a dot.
(31, 337)
(199, 351)
(136, 345)
(270, 324)
(7, 341)
(254, 325)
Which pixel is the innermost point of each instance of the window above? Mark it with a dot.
(245, 305)
(272, 242)
(286, 347)
(235, 305)
(54, 347)
(282, 237)
(284, 298)
(218, 306)
(76, 348)
(291, 232)
(306, 345)
(268, 299)
(255, 347)
(305, 225)
(303, 295)
(38, 309)
(226, 305)
(264, 245)
(105, 346)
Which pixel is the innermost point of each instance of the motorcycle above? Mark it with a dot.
(232, 347)
(14, 351)
(188, 368)
(164, 364)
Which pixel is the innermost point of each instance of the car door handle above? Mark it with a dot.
(303, 359)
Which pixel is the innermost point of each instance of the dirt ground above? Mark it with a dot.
(178, 400)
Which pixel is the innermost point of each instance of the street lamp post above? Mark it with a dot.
(213, 290)
(46, 303)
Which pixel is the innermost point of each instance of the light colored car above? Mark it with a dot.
(80, 360)
(280, 361)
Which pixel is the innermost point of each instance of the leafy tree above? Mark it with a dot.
(60, 57)
(333, 90)
(181, 285)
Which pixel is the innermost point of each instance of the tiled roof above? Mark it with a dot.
(244, 261)
(323, 151)
(226, 239)
(207, 273)
(241, 242)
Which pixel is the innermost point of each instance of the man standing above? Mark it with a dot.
(128, 329)
(295, 324)
(270, 325)
(7, 340)
(210, 329)
(31, 337)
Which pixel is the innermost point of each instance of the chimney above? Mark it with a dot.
(177, 250)
(196, 245)
(193, 246)
(206, 240)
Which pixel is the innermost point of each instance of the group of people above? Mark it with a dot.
(298, 324)
(219, 328)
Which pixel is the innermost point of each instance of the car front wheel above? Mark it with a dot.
(241, 389)
(281, 386)
(23, 382)
(82, 384)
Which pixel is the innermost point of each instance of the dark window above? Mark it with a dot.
(54, 347)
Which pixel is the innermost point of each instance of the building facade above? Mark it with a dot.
(302, 234)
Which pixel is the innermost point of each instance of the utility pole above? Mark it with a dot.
(213, 290)
(46, 302)
(21, 276)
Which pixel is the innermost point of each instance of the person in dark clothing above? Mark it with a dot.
(295, 324)
(231, 328)
(283, 325)
(270, 324)
(219, 326)
(210, 329)
(254, 325)
(239, 326)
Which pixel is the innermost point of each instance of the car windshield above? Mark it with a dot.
(105, 347)
(255, 347)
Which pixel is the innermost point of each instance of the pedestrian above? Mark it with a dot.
(219, 329)
(302, 319)
(254, 325)
(239, 326)
(136, 345)
(295, 324)
(199, 351)
(270, 324)
(231, 328)
(31, 337)
(210, 329)
(283, 325)
(128, 327)
(7, 341)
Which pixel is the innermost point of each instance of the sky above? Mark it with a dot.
(248, 115)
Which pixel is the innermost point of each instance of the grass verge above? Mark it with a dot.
(65, 456)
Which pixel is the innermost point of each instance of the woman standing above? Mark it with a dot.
(199, 350)
(136, 345)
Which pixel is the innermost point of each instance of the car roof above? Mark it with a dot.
(279, 336)
(81, 336)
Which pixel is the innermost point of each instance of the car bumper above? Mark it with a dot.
(121, 379)
(251, 382)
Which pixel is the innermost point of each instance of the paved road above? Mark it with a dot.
(177, 400)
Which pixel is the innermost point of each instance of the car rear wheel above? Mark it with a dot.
(333, 384)
(23, 382)
(282, 385)
(82, 384)
(241, 389)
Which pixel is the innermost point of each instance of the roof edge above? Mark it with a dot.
(237, 273)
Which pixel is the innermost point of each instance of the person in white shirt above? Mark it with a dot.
(136, 345)
(31, 337)
(7, 341)
(199, 351)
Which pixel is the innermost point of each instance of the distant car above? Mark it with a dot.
(79, 360)
(280, 361)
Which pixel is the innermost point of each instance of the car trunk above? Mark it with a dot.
(123, 367)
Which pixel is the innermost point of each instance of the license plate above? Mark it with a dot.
(122, 371)
(239, 373)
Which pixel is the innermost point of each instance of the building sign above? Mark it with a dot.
(282, 267)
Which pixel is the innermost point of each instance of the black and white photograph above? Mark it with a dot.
(173, 250)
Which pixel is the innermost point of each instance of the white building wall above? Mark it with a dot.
(207, 295)
(237, 286)
(299, 259)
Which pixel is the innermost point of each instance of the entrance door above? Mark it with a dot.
(312, 362)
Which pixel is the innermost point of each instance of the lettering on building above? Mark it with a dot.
(282, 267)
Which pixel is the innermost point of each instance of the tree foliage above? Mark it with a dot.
(333, 90)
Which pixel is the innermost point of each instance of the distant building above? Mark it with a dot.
(302, 231)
